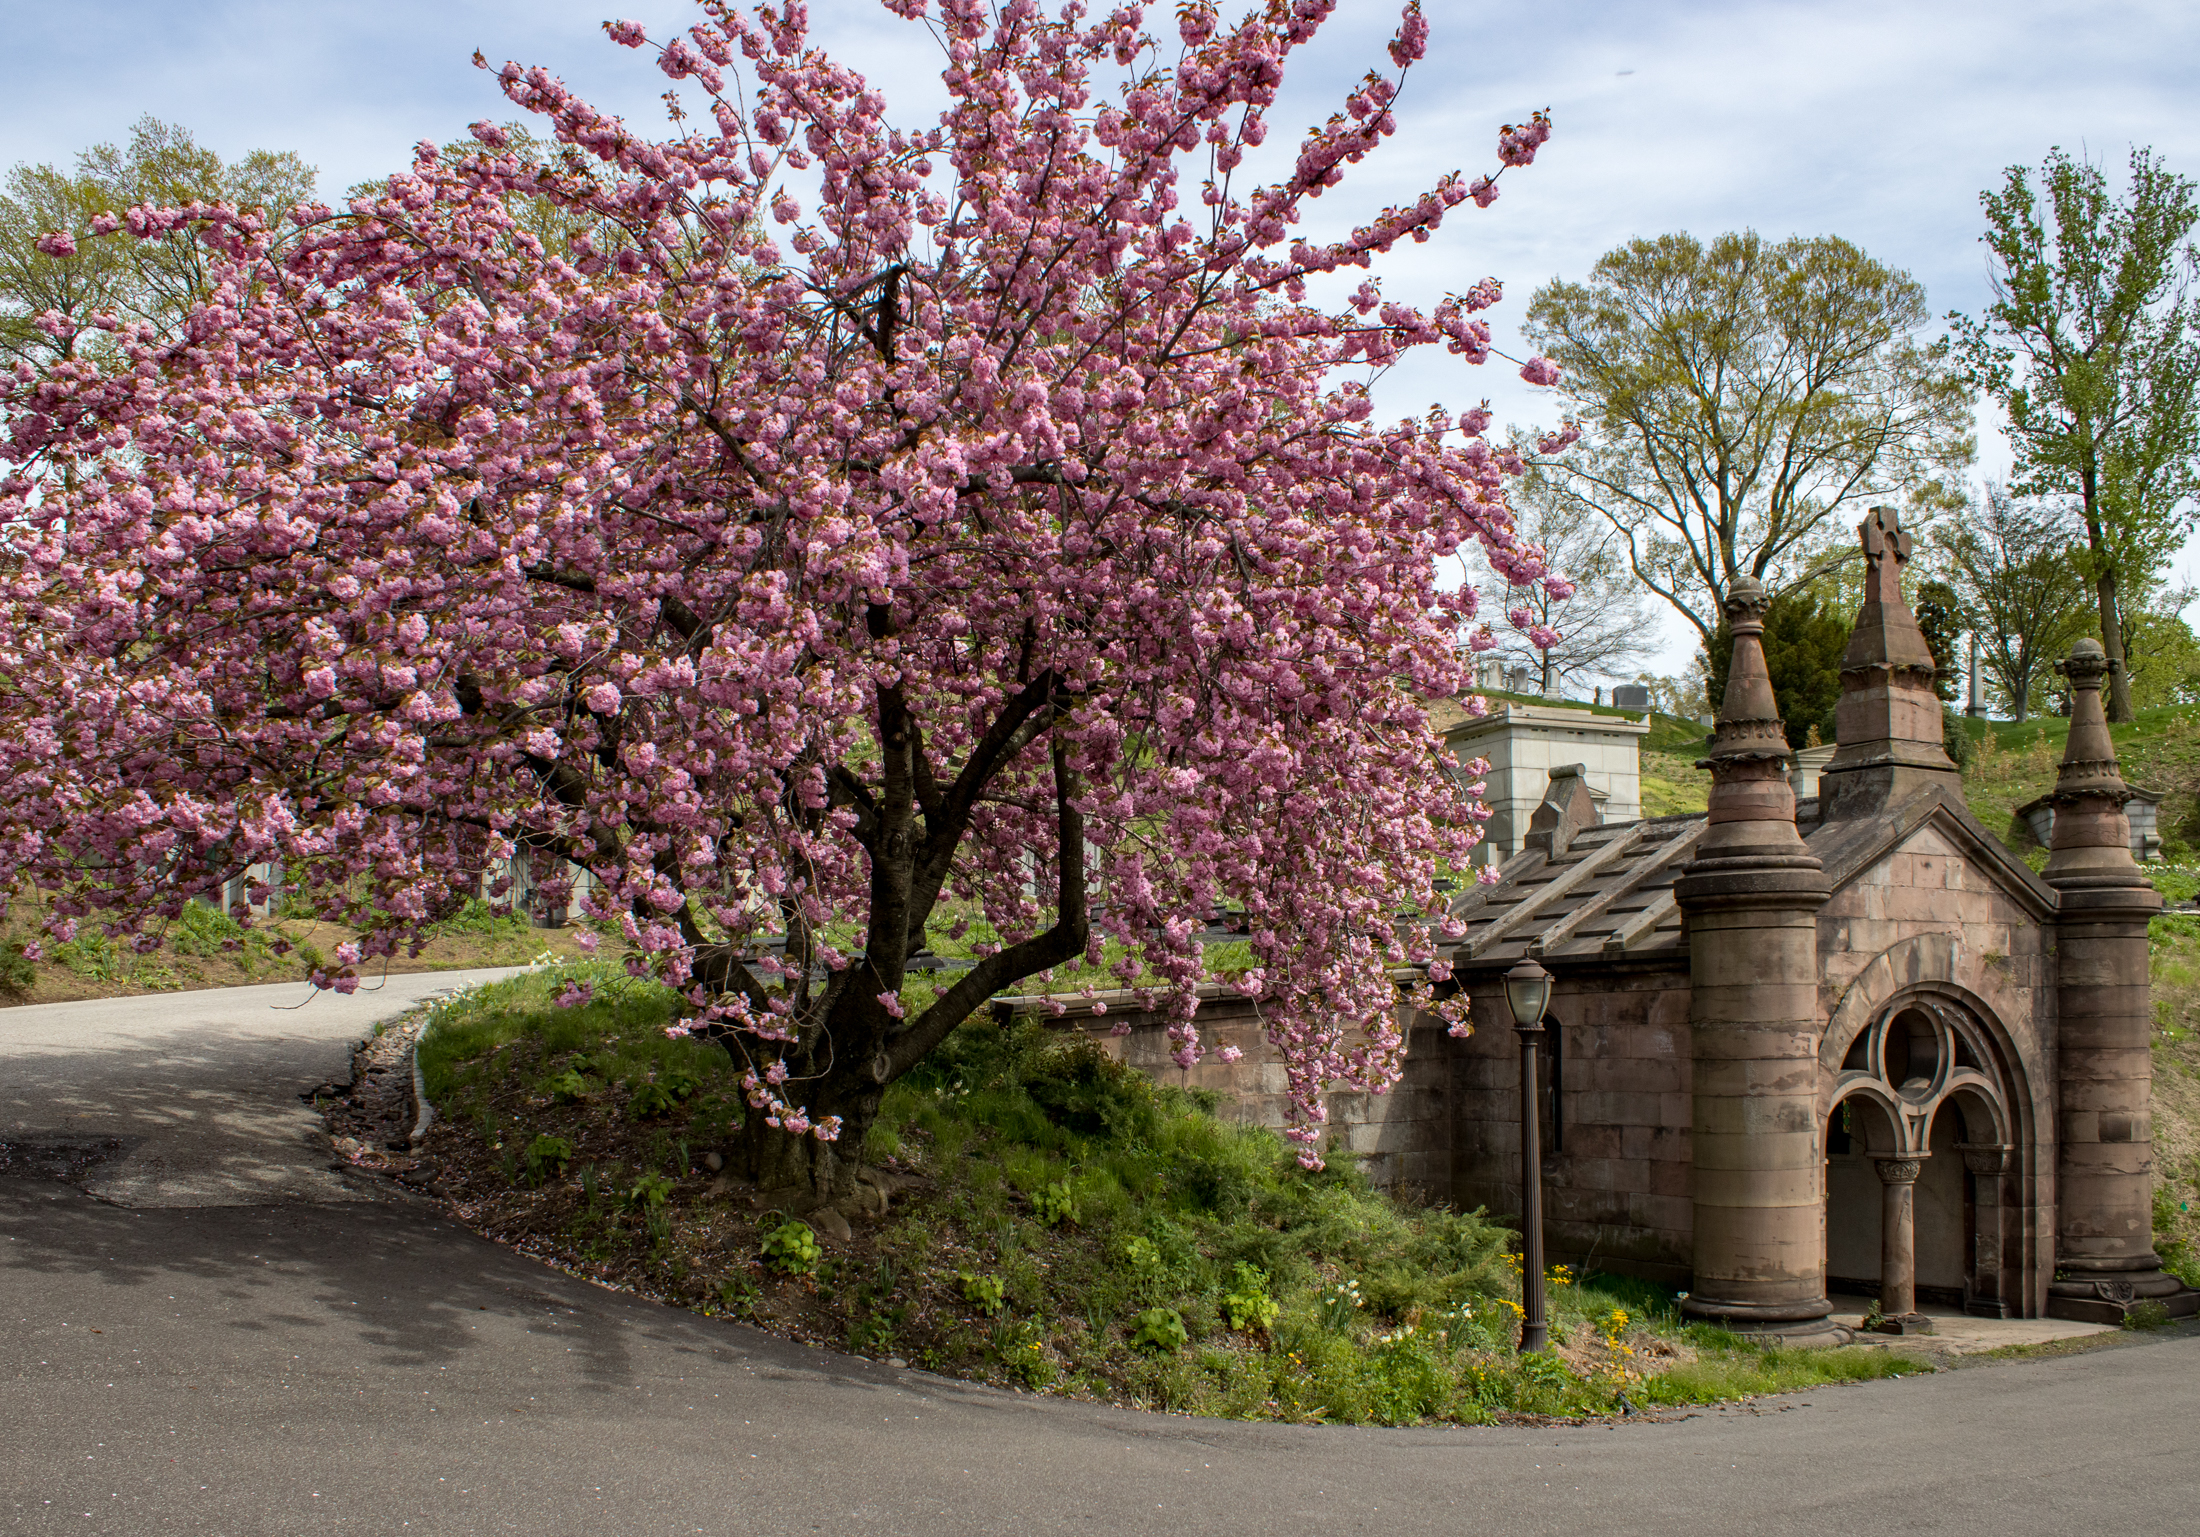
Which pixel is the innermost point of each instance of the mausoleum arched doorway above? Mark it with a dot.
(1918, 1148)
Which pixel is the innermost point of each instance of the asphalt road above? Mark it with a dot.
(353, 1363)
(200, 1089)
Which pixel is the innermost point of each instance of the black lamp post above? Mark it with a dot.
(1527, 994)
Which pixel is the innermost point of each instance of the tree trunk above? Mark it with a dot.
(2104, 590)
(801, 1171)
(2112, 641)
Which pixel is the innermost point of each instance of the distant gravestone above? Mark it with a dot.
(1631, 696)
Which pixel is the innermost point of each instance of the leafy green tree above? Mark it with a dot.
(1806, 631)
(2089, 345)
(2164, 663)
(153, 281)
(1940, 618)
(39, 201)
(1743, 397)
(560, 212)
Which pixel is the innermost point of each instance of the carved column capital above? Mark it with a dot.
(1985, 1158)
(1899, 1171)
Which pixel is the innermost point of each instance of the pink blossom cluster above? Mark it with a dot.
(835, 528)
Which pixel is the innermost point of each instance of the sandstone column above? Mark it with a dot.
(1751, 896)
(2104, 1260)
(1898, 1247)
(1989, 1164)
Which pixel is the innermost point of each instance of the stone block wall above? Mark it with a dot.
(1615, 1184)
(1403, 1138)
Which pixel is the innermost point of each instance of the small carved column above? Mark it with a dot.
(1898, 1247)
(1989, 1165)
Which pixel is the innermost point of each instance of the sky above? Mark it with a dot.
(1880, 122)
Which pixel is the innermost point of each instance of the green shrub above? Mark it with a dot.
(1081, 1088)
(983, 1292)
(649, 1194)
(1160, 1330)
(737, 1294)
(547, 1156)
(1545, 1369)
(1053, 1204)
(792, 1248)
(1247, 1304)
(18, 972)
(648, 1101)
(565, 1087)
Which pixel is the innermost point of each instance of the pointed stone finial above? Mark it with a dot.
(1749, 716)
(2091, 843)
(1888, 725)
(1749, 900)
(1749, 750)
(2105, 1262)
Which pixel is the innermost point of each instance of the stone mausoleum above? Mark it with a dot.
(1797, 1048)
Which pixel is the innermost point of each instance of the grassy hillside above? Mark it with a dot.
(2010, 765)
(205, 948)
(2160, 751)
(1036, 1215)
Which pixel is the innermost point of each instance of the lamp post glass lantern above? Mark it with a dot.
(1527, 995)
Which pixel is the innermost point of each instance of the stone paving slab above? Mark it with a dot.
(1958, 1333)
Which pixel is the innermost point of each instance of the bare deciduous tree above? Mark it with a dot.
(1604, 629)
(2008, 558)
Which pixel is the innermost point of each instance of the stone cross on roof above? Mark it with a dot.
(1888, 723)
(1886, 552)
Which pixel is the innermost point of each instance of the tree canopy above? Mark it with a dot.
(1744, 396)
(892, 532)
(2092, 348)
(1599, 630)
(46, 212)
(2022, 596)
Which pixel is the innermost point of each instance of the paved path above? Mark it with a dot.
(320, 1365)
(202, 1088)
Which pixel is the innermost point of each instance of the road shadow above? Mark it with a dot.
(394, 1283)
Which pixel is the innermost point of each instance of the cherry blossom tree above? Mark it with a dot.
(841, 535)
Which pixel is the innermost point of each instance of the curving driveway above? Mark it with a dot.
(212, 1333)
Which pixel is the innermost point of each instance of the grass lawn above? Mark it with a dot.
(206, 948)
(1037, 1216)
(2012, 764)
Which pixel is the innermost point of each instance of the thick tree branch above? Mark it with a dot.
(1062, 942)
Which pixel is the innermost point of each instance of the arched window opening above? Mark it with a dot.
(1912, 1052)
